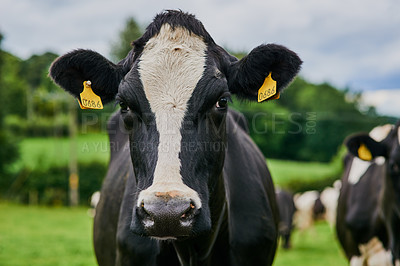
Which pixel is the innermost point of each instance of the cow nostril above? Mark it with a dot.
(147, 218)
(189, 212)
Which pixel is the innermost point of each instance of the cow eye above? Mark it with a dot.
(124, 107)
(222, 103)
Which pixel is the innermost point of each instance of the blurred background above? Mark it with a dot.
(350, 82)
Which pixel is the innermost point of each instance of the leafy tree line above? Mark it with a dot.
(9, 149)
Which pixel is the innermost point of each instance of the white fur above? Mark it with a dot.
(170, 67)
(380, 133)
(329, 198)
(358, 169)
(304, 202)
(398, 134)
(94, 200)
(372, 254)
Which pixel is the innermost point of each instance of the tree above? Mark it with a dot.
(123, 45)
(35, 70)
(8, 150)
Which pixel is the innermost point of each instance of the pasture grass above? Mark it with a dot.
(314, 247)
(283, 172)
(47, 152)
(45, 236)
(41, 236)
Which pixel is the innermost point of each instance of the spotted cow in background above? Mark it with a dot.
(329, 198)
(368, 217)
(185, 184)
(305, 204)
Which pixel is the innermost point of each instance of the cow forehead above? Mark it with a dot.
(171, 64)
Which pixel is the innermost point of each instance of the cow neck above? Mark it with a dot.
(215, 233)
(187, 252)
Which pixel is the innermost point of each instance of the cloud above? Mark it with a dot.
(344, 43)
(385, 101)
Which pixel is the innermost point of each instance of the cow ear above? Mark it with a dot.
(365, 147)
(247, 75)
(71, 70)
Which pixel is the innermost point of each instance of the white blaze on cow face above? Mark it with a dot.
(357, 170)
(171, 65)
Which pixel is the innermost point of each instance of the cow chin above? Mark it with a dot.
(174, 219)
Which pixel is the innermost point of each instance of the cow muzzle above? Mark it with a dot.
(167, 215)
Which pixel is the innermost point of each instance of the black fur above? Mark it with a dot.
(354, 142)
(247, 75)
(286, 212)
(71, 70)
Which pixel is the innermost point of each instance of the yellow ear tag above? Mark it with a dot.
(268, 90)
(364, 153)
(89, 100)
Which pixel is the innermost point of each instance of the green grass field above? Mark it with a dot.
(317, 246)
(45, 236)
(45, 152)
(41, 236)
(284, 171)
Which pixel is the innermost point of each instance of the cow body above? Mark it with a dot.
(286, 211)
(367, 219)
(358, 217)
(185, 184)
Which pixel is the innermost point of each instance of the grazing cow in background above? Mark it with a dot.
(286, 211)
(185, 184)
(319, 209)
(312, 206)
(329, 198)
(305, 209)
(368, 224)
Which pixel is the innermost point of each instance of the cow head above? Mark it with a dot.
(367, 148)
(173, 89)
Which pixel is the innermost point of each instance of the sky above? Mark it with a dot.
(351, 44)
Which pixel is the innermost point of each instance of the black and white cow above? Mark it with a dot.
(368, 217)
(185, 184)
(287, 209)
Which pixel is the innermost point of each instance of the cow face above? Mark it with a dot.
(173, 89)
(366, 148)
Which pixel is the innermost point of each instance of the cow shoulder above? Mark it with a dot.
(250, 193)
(112, 191)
